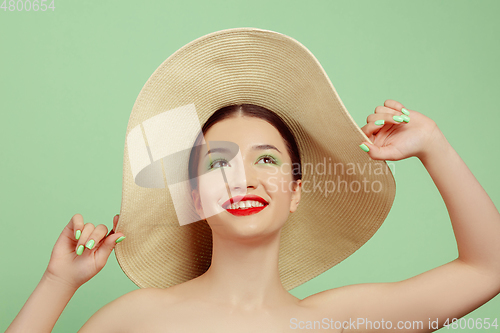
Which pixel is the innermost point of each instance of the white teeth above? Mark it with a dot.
(245, 204)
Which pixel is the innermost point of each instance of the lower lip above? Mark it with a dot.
(247, 211)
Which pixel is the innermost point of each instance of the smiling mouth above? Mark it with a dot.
(245, 211)
(247, 205)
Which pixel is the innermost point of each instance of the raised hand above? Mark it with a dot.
(81, 251)
(400, 135)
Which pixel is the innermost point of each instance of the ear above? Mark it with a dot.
(297, 188)
(195, 195)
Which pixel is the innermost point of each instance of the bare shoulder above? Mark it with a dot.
(131, 311)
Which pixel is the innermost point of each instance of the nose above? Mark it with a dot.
(244, 178)
(251, 177)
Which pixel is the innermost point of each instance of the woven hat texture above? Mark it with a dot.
(272, 70)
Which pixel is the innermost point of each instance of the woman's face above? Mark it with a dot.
(247, 157)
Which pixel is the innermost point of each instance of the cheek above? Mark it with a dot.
(214, 191)
(211, 189)
(279, 182)
(210, 184)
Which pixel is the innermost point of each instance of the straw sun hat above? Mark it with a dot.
(345, 194)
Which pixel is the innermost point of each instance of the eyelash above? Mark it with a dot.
(272, 158)
(211, 165)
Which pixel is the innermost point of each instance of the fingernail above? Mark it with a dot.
(380, 122)
(120, 239)
(405, 118)
(398, 118)
(406, 112)
(79, 251)
(90, 244)
(78, 234)
(364, 147)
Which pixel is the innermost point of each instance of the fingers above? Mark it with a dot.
(384, 109)
(115, 221)
(393, 105)
(90, 237)
(384, 120)
(389, 152)
(94, 237)
(397, 107)
(106, 247)
(108, 244)
(77, 224)
(378, 121)
(120, 236)
(384, 117)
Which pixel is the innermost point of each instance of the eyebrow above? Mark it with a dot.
(266, 147)
(256, 147)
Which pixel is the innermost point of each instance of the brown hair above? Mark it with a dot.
(249, 110)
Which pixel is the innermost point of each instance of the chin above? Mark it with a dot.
(243, 227)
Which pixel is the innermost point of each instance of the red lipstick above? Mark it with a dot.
(246, 211)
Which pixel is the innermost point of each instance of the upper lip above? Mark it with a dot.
(239, 198)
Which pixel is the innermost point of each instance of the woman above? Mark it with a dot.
(241, 291)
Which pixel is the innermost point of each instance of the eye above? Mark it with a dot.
(267, 159)
(218, 163)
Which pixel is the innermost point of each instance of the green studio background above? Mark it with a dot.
(69, 79)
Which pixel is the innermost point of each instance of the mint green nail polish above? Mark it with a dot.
(364, 147)
(406, 112)
(90, 244)
(380, 122)
(405, 118)
(397, 118)
(78, 234)
(120, 239)
(79, 251)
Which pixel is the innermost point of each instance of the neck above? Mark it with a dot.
(245, 273)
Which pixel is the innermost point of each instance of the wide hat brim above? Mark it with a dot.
(269, 69)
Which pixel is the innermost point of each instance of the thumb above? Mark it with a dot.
(105, 249)
(388, 152)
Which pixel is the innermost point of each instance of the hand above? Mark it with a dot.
(395, 140)
(70, 265)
